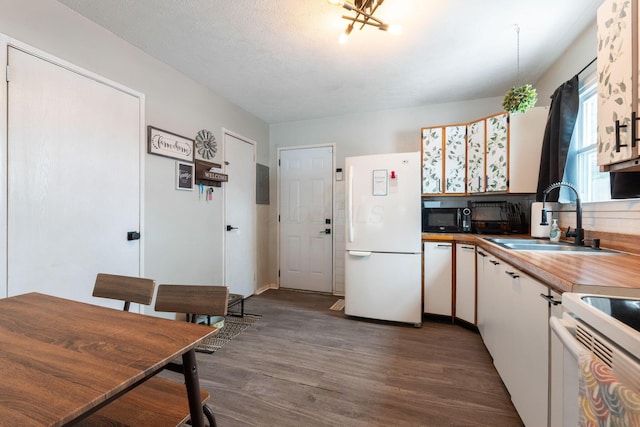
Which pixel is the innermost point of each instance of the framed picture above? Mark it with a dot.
(184, 176)
(168, 144)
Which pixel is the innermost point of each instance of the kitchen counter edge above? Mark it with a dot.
(611, 274)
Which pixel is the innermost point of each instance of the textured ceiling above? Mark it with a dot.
(280, 59)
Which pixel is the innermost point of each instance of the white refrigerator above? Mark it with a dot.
(383, 259)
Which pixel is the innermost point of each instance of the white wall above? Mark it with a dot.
(389, 131)
(184, 237)
(580, 53)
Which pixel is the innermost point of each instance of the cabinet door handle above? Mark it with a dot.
(444, 245)
(618, 144)
(634, 119)
(512, 274)
(550, 299)
(467, 247)
(494, 262)
(482, 254)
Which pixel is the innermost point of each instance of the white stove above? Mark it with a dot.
(614, 317)
(607, 327)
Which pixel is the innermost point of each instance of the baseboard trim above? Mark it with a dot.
(266, 288)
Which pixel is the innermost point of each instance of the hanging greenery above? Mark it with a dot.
(520, 99)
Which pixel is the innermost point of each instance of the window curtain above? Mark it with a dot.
(557, 136)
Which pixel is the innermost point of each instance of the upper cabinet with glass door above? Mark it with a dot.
(618, 82)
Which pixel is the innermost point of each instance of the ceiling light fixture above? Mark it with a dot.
(364, 10)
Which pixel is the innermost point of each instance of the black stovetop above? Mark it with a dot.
(626, 311)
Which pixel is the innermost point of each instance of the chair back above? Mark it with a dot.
(193, 299)
(125, 288)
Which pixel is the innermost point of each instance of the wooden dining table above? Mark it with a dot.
(61, 360)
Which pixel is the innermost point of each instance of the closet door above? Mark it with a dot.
(73, 182)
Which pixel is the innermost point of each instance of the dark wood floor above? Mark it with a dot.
(305, 365)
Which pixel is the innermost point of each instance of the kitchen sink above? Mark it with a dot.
(544, 245)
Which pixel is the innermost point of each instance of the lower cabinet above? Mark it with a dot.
(437, 278)
(556, 376)
(513, 320)
(465, 295)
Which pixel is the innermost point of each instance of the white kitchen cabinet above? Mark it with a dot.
(527, 344)
(455, 138)
(490, 298)
(432, 160)
(482, 290)
(497, 165)
(513, 321)
(437, 278)
(526, 134)
(618, 44)
(556, 368)
(465, 295)
(503, 152)
(476, 143)
(444, 160)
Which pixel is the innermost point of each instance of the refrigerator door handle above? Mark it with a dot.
(360, 253)
(350, 204)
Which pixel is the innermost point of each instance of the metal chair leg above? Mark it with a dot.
(208, 413)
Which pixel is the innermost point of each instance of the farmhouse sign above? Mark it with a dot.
(168, 144)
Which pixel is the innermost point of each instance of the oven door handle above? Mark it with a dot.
(562, 330)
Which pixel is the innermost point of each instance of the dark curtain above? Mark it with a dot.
(557, 136)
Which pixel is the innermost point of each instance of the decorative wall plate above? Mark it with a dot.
(206, 144)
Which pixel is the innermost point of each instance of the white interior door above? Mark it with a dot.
(73, 181)
(240, 215)
(306, 219)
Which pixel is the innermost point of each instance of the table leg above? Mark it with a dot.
(193, 388)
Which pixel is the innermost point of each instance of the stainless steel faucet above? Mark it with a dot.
(578, 233)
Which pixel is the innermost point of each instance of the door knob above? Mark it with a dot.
(326, 231)
(133, 235)
(229, 228)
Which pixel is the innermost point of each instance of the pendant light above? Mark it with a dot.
(519, 98)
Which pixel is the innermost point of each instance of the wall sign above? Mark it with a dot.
(184, 176)
(210, 174)
(168, 144)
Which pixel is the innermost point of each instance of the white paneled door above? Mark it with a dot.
(73, 179)
(306, 219)
(240, 215)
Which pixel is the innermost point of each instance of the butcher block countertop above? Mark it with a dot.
(610, 273)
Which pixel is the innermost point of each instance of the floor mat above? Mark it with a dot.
(233, 326)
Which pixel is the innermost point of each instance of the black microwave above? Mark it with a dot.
(452, 220)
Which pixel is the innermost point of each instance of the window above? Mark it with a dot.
(582, 166)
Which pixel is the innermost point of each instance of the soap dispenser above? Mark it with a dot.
(554, 232)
